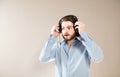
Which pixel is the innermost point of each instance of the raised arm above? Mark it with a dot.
(94, 51)
(49, 49)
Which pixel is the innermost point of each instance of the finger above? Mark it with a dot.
(77, 27)
(77, 23)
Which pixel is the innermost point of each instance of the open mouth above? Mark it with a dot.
(66, 35)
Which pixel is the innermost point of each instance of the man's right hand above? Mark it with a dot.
(55, 30)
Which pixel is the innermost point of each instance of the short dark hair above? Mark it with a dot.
(71, 18)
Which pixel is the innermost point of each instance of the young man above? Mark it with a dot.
(73, 55)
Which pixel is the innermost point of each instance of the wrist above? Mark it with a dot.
(52, 35)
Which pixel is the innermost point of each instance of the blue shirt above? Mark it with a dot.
(73, 61)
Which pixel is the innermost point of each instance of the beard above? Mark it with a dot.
(68, 37)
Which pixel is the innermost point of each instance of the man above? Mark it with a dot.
(72, 56)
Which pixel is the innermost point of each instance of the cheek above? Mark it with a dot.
(68, 32)
(64, 33)
(72, 31)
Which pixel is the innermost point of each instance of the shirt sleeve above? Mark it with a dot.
(48, 51)
(94, 51)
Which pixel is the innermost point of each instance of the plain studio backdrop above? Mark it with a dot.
(25, 26)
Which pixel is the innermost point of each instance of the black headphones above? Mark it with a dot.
(71, 18)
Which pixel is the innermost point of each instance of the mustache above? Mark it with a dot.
(66, 35)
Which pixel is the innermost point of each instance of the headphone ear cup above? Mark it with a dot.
(76, 31)
(60, 29)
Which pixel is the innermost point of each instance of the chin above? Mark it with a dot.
(68, 39)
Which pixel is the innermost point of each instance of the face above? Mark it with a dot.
(68, 31)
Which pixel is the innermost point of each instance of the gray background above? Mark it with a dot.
(25, 26)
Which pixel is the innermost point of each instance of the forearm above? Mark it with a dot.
(47, 53)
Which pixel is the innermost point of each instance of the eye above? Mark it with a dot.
(69, 27)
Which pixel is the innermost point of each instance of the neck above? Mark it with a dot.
(69, 43)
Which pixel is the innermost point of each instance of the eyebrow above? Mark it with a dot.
(68, 26)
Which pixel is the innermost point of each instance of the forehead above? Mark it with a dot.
(67, 23)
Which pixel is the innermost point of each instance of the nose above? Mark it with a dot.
(65, 31)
